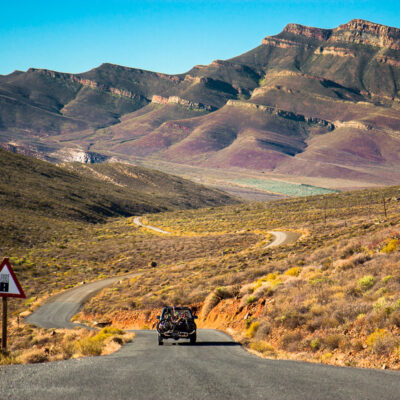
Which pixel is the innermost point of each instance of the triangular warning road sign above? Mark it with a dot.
(9, 285)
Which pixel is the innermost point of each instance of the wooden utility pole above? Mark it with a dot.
(4, 326)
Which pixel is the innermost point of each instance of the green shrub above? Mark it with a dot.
(381, 342)
(332, 341)
(264, 329)
(248, 322)
(289, 341)
(251, 299)
(392, 246)
(90, 346)
(315, 344)
(262, 347)
(295, 271)
(93, 346)
(33, 356)
(387, 278)
(251, 331)
(112, 331)
(366, 282)
(292, 319)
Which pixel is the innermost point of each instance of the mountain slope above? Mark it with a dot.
(32, 186)
(212, 116)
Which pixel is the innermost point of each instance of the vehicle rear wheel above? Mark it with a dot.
(160, 340)
(193, 338)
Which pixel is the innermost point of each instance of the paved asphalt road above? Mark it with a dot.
(215, 368)
(282, 238)
(137, 221)
(59, 310)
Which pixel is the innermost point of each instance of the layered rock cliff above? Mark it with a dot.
(356, 31)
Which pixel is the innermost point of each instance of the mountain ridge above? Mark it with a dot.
(347, 76)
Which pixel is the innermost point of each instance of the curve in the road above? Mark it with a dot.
(281, 237)
(216, 368)
(59, 310)
(138, 222)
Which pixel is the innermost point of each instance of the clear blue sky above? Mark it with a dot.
(165, 36)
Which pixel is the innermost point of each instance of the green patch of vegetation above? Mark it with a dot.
(366, 282)
(294, 271)
(286, 188)
(262, 347)
(391, 246)
(252, 329)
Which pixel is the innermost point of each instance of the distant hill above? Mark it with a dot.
(31, 186)
(313, 103)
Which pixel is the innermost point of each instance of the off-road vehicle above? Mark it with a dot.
(176, 323)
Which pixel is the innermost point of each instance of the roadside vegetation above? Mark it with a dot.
(33, 345)
(332, 297)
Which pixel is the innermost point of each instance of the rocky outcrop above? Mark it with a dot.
(79, 155)
(282, 113)
(156, 99)
(388, 60)
(88, 83)
(26, 150)
(281, 43)
(356, 31)
(334, 51)
(192, 79)
(307, 31)
(364, 32)
(353, 124)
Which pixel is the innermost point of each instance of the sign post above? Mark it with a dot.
(4, 334)
(9, 287)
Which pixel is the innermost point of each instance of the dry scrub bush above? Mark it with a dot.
(360, 258)
(381, 342)
(264, 329)
(291, 341)
(34, 356)
(252, 329)
(395, 318)
(315, 343)
(263, 347)
(8, 359)
(332, 341)
(216, 296)
(292, 319)
(343, 265)
(265, 290)
(357, 345)
(345, 312)
(354, 246)
(246, 289)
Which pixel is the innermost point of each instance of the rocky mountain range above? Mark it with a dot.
(316, 104)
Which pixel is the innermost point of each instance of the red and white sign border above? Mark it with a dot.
(21, 294)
